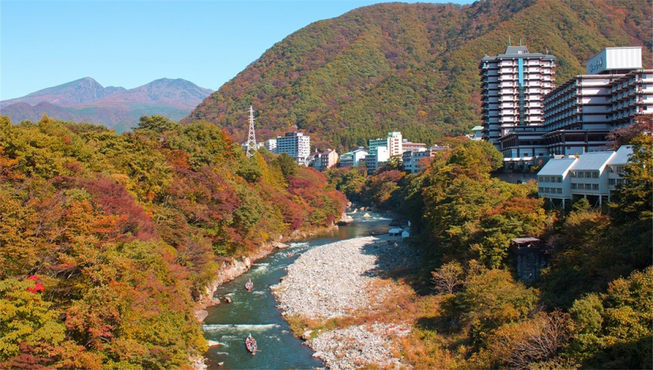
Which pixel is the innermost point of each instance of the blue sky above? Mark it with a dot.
(130, 43)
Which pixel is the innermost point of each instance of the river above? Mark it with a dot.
(255, 312)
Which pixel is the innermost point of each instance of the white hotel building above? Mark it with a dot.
(593, 176)
(581, 112)
(296, 145)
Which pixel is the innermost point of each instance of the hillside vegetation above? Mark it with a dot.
(410, 67)
(591, 306)
(107, 240)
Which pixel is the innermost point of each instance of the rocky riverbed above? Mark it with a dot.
(336, 280)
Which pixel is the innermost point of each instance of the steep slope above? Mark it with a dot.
(411, 67)
(85, 100)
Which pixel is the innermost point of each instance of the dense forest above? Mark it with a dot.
(107, 240)
(411, 67)
(591, 306)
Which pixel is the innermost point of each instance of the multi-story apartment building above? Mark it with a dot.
(513, 85)
(580, 113)
(352, 158)
(411, 159)
(374, 161)
(592, 175)
(325, 160)
(296, 145)
(393, 142)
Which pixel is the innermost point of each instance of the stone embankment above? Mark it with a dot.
(335, 280)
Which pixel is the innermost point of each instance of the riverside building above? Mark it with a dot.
(580, 113)
(513, 86)
(593, 176)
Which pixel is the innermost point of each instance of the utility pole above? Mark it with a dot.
(251, 136)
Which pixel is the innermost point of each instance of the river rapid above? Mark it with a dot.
(256, 313)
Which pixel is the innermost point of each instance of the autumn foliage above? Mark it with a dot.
(106, 240)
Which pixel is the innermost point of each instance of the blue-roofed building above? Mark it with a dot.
(592, 176)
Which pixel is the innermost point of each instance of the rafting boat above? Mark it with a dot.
(250, 344)
(249, 285)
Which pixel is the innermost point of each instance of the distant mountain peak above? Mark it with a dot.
(85, 99)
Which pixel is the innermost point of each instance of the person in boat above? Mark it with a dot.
(249, 285)
(250, 344)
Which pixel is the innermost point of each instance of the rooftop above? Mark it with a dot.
(556, 167)
(592, 160)
(622, 155)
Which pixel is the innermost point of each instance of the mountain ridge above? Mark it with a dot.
(86, 100)
(409, 67)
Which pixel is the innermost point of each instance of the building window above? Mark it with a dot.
(581, 174)
(573, 186)
(611, 181)
(595, 186)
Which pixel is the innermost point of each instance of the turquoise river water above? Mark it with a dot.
(256, 313)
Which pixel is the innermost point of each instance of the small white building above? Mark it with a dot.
(271, 145)
(352, 158)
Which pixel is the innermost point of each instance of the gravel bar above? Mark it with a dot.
(332, 281)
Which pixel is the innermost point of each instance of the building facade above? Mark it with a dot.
(353, 158)
(513, 86)
(579, 114)
(593, 176)
(374, 161)
(325, 160)
(271, 145)
(296, 145)
(412, 160)
(408, 146)
(395, 143)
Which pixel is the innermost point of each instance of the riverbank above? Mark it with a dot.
(336, 298)
(232, 268)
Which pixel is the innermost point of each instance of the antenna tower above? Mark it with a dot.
(251, 136)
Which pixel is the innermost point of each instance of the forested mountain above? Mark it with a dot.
(411, 67)
(86, 100)
(106, 239)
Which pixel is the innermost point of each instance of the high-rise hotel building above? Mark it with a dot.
(581, 112)
(514, 84)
